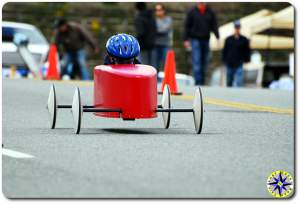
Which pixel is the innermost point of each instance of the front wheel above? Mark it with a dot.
(166, 104)
(198, 110)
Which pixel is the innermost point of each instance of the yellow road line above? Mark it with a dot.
(239, 105)
(213, 101)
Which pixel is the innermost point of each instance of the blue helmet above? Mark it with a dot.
(123, 46)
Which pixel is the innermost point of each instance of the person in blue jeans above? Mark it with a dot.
(75, 65)
(200, 21)
(236, 51)
(71, 39)
(200, 56)
(234, 76)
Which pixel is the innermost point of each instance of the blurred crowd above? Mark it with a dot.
(154, 32)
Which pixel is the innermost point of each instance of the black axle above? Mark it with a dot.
(177, 110)
(86, 106)
(97, 110)
(70, 106)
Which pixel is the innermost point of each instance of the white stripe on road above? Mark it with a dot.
(15, 154)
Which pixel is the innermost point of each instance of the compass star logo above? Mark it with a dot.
(280, 184)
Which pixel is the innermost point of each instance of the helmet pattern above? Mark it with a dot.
(123, 46)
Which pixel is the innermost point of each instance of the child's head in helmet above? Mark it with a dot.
(122, 49)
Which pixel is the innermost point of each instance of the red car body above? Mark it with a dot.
(130, 88)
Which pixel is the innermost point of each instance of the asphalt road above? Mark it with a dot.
(240, 146)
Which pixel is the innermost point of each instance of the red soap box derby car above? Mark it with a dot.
(125, 91)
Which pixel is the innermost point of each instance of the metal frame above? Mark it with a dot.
(92, 109)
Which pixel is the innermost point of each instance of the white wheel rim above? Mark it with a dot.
(166, 104)
(51, 106)
(198, 110)
(77, 111)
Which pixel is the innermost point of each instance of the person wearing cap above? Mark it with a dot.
(200, 22)
(71, 39)
(236, 51)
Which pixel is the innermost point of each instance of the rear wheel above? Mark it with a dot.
(77, 111)
(52, 106)
(198, 110)
(166, 104)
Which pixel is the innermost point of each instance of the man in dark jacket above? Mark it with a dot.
(146, 30)
(71, 38)
(200, 21)
(236, 51)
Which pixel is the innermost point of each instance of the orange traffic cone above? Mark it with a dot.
(53, 73)
(170, 72)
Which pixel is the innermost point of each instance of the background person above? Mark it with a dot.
(236, 51)
(71, 38)
(200, 21)
(146, 30)
(163, 35)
